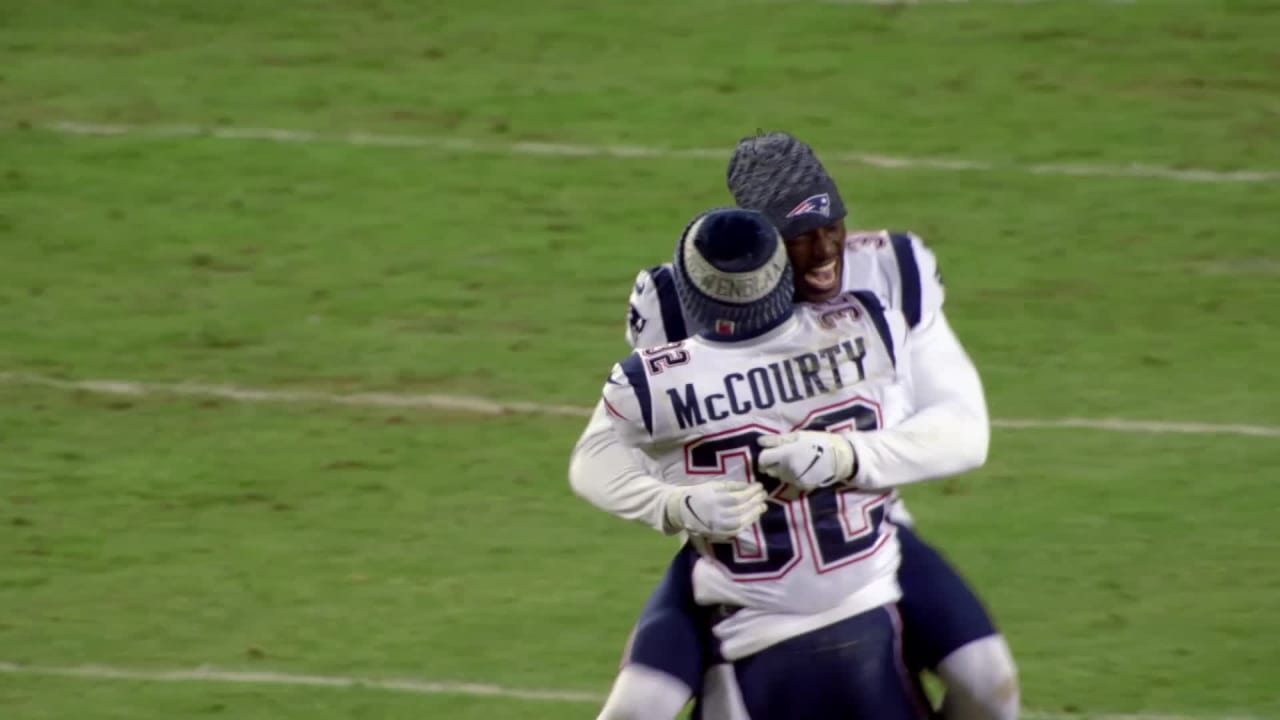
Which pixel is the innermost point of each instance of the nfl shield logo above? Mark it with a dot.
(814, 204)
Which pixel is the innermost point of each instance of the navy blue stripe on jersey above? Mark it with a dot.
(876, 310)
(909, 269)
(669, 303)
(633, 367)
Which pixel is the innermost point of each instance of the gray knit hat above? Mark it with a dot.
(732, 274)
(781, 177)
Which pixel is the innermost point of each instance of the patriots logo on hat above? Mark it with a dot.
(814, 204)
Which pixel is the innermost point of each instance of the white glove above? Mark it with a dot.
(718, 510)
(807, 459)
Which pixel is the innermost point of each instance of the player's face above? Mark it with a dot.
(818, 259)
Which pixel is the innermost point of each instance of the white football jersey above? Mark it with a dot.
(896, 266)
(694, 410)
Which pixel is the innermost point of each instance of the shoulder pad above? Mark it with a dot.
(654, 315)
(627, 398)
(919, 283)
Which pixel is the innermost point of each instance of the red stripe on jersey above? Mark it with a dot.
(614, 412)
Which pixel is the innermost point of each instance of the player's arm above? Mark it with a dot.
(604, 470)
(949, 433)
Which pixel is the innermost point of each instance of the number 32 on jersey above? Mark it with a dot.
(834, 526)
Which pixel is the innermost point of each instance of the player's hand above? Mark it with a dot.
(718, 510)
(807, 459)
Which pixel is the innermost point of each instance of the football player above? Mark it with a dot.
(801, 603)
(947, 629)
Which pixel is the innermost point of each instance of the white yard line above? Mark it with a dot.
(285, 135)
(429, 687)
(1137, 426)
(206, 674)
(944, 2)
(485, 406)
(457, 403)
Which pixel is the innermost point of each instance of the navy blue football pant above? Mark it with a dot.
(849, 669)
(940, 614)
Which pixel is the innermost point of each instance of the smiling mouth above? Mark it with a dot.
(822, 277)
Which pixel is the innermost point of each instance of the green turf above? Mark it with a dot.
(309, 539)
(367, 268)
(1171, 81)
(1131, 573)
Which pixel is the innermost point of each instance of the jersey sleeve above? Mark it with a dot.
(605, 471)
(605, 468)
(654, 315)
(918, 289)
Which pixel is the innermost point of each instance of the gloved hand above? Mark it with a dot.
(807, 459)
(717, 510)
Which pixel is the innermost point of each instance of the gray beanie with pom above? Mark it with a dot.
(732, 274)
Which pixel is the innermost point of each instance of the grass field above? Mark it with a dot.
(1132, 572)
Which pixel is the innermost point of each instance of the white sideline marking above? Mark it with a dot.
(483, 406)
(281, 135)
(427, 687)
